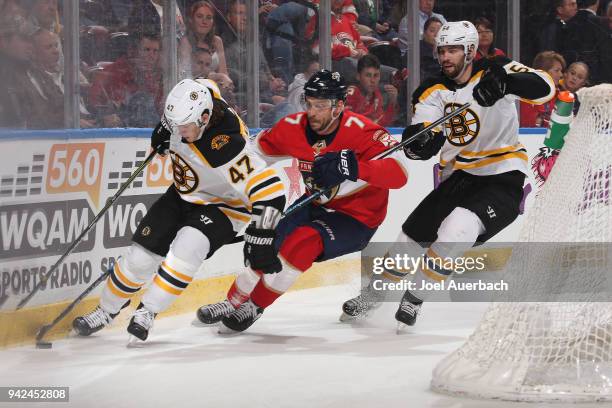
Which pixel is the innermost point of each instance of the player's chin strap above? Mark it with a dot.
(466, 61)
(333, 119)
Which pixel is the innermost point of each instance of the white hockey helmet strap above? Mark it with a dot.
(187, 102)
(461, 33)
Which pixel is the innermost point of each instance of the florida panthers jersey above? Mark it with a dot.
(481, 140)
(366, 199)
(219, 170)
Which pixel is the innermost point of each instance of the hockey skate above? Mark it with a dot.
(94, 321)
(140, 323)
(363, 305)
(407, 312)
(241, 319)
(213, 313)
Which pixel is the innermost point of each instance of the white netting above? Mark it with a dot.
(552, 349)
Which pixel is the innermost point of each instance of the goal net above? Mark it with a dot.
(560, 346)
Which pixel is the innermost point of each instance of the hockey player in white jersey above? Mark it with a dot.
(218, 184)
(483, 165)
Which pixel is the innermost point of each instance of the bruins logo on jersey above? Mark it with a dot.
(185, 179)
(462, 129)
(219, 141)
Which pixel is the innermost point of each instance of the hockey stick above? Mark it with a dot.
(300, 204)
(45, 329)
(78, 239)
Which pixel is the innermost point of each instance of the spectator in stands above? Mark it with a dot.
(425, 11)
(486, 39)
(366, 98)
(295, 97)
(271, 88)
(371, 23)
(12, 8)
(286, 26)
(44, 14)
(201, 34)
(201, 63)
(347, 46)
(146, 17)
(552, 33)
(47, 60)
(26, 99)
(429, 64)
(539, 115)
(587, 39)
(575, 77)
(129, 91)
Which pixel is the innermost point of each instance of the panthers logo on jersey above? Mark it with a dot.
(185, 179)
(305, 168)
(463, 129)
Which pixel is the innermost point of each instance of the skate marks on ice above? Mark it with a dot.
(296, 355)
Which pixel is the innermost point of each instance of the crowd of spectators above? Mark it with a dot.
(122, 72)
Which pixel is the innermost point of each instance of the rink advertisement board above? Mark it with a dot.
(53, 185)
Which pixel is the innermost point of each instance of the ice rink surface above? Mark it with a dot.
(297, 355)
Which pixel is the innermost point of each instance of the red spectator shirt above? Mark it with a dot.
(118, 82)
(366, 199)
(371, 107)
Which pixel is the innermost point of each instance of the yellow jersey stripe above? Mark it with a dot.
(485, 162)
(164, 286)
(268, 191)
(433, 274)
(198, 153)
(467, 153)
(255, 179)
(125, 280)
(116, 291)
(176, 273)
(235, 215)
(430, 90)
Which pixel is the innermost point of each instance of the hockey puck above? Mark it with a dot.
(44, 345)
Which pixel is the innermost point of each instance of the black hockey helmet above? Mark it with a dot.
(325, 84)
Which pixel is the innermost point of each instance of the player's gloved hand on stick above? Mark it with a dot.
(260, 251)
(160, 138)
(492, 86)
(425, 146)
(333, 168)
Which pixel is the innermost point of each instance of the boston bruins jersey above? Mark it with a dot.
(218, 170)
(481, 140)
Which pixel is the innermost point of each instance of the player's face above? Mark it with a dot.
(451, 58)
(191, 131)
(319, 113)
(369, 78)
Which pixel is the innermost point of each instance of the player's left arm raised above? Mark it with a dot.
(505, 77)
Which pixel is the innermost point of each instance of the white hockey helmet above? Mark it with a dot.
(187, 102)
(458, 33)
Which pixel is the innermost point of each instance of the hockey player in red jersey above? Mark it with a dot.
(335, 148)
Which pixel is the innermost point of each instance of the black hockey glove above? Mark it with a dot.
(333, 168)
(259, 250)
(423, 147)
(160, 138)
(492, 86)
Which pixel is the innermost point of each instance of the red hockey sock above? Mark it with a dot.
(235, 296)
